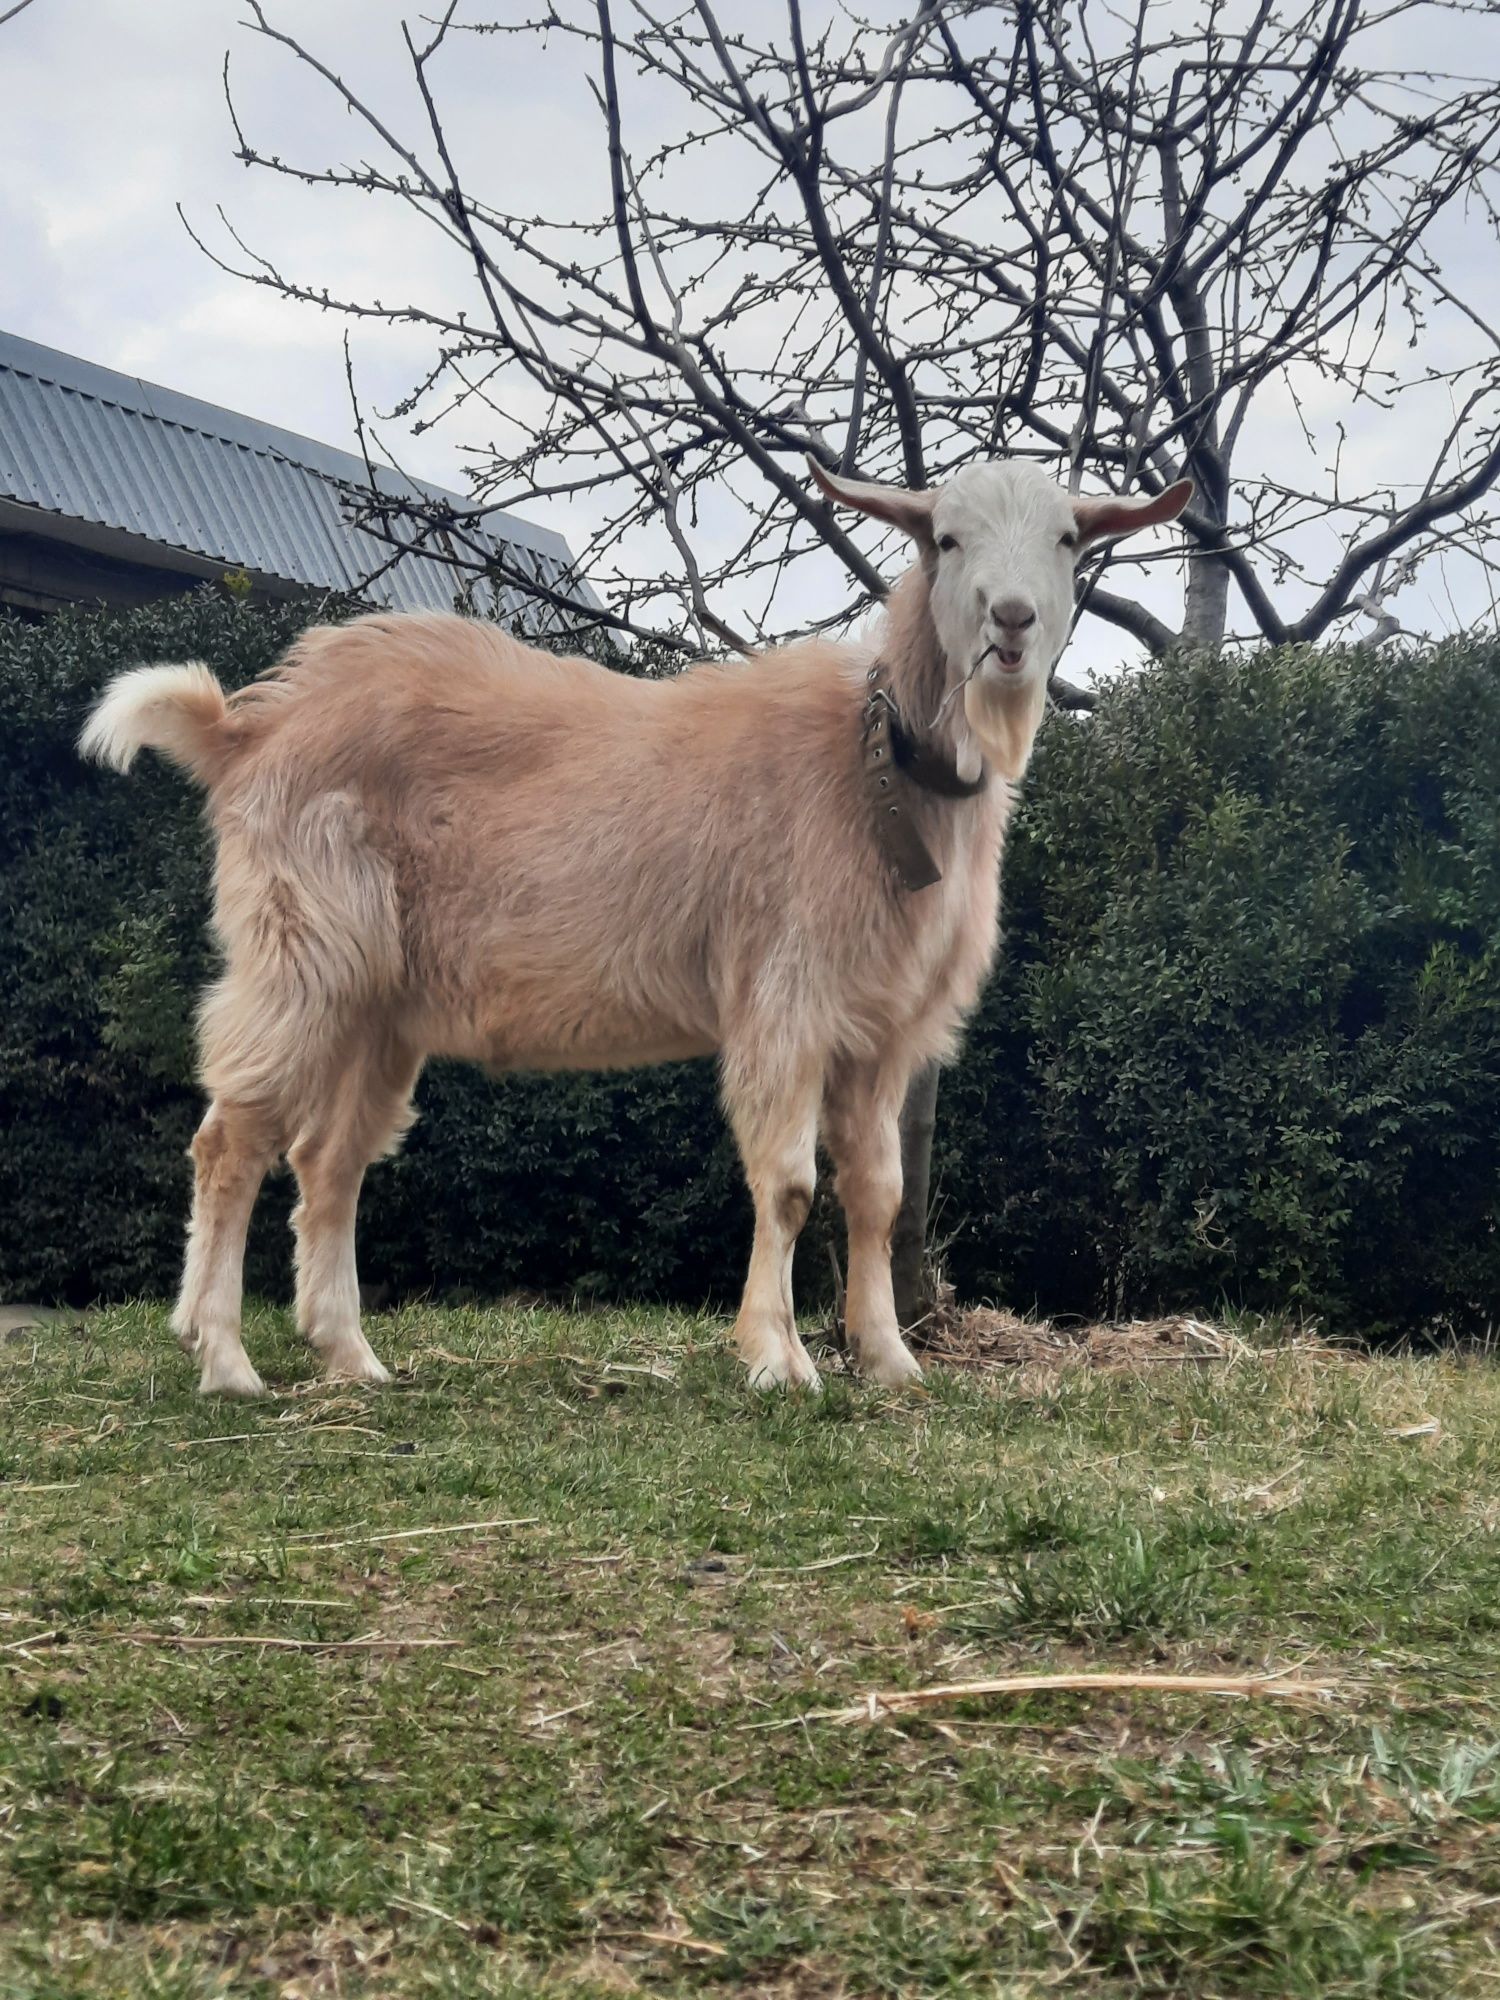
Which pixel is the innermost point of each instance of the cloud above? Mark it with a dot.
(115, 113)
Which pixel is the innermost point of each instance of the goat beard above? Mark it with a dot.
(1003, 721)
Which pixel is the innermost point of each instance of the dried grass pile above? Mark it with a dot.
(983, 1337)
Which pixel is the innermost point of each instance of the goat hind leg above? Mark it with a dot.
(777, 1135)
(234, 1146)
(366, 1112)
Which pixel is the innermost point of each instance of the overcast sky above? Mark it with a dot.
(114, 114)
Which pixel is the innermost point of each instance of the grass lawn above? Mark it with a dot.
(614, 1778)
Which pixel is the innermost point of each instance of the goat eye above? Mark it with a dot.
(1068, 541)
(946, 542)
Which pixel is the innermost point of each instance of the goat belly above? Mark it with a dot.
(571, 984)
(537, 1008)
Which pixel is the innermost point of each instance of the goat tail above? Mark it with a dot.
(181, 711)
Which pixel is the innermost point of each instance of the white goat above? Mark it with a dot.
(434, 840)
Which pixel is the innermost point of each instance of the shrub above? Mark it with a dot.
(603, 1184)
(1245, 1038)
(1244, 1041)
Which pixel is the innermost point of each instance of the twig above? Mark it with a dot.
(230, 1437)
(431, 1910)
(299, 1603)
(840, 1328)
(828, 1562)
(657, 1371)
(279, 1437)
(557, 1714)
(502, 1360)
(899, 1701)
(31, 1639)
(198, 1642)
(680, 1943)
(398, 1535)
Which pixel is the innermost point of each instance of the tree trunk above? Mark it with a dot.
(909, 1272)
(1206, 612)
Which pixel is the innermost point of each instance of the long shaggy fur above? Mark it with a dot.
(435, 840)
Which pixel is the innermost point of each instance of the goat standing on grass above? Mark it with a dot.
(436, 841)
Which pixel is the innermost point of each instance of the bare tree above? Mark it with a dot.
(1214, 237)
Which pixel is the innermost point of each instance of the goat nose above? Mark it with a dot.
(1013, 612)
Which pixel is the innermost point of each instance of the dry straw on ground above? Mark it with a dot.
(982, 1337)
(987, 1338)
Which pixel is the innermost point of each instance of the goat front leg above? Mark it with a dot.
(862, 1129)
(777, 1134)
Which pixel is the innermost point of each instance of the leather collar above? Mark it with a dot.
(894, 761)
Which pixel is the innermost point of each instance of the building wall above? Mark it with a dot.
(38, 576)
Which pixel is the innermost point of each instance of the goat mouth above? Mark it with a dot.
(1010, 658)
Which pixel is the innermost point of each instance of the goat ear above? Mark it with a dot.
(910, 512)
(1100, 520)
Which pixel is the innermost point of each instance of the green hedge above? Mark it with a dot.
(1245, 1038)
(1244, 1042)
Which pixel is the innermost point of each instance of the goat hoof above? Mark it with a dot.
(894, 1367)
(374, 1372)
(352, 1363)
(786, 1371)
(229, 1375)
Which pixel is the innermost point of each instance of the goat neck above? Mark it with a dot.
(917, 670)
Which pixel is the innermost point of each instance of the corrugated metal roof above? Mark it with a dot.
(94, 446)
